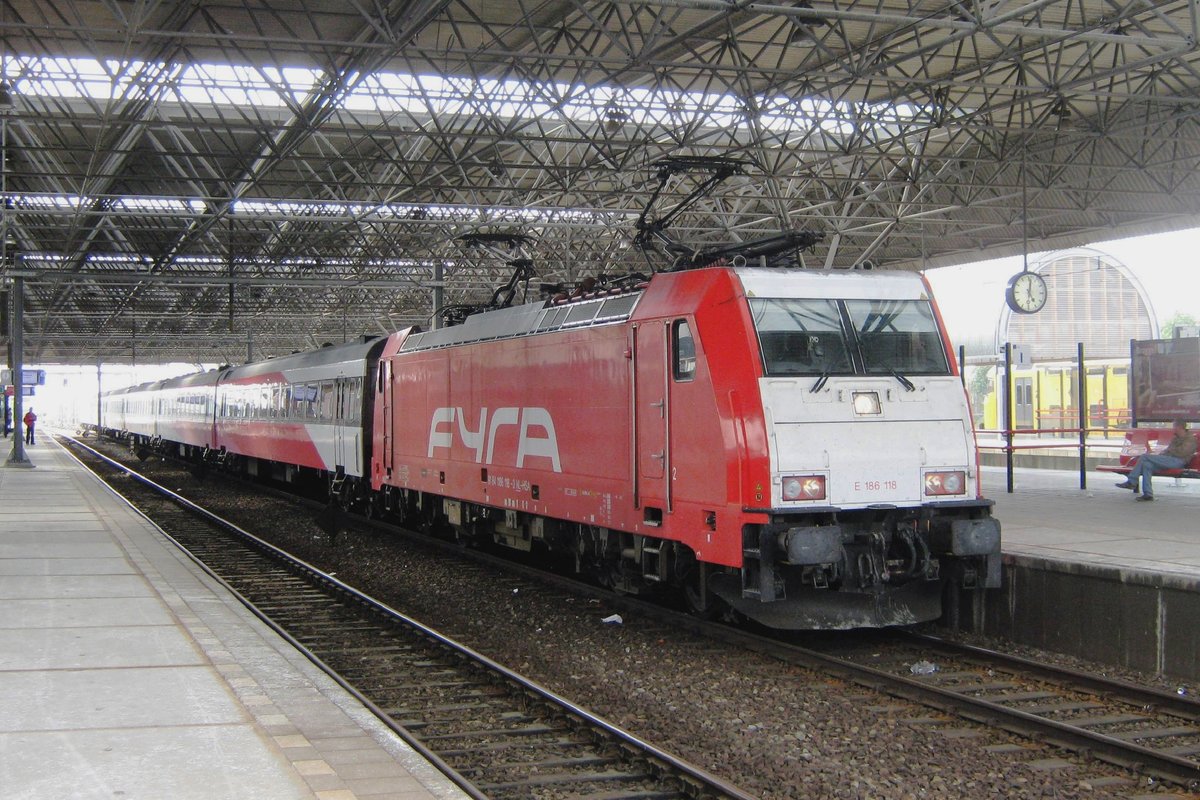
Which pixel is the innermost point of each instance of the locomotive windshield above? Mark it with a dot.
(846, 337)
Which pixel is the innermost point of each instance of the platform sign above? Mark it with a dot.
(29, 377)
(26, 391)
(1166, 379)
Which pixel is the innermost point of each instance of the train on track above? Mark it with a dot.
(795, 445)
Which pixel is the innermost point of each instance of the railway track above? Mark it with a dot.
(1149, 732)
(496, 734)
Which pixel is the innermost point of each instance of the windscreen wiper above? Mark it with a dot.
(908, 385)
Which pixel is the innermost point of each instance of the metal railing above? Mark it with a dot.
(1083, 416)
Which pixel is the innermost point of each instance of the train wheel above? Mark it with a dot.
(693, 578)
(373, 508)
(704, 605)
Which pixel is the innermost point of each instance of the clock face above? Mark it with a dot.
(1026, 292)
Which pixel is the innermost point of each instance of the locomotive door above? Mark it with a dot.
(651, 414)
(385, 380)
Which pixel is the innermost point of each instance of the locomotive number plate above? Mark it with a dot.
(876, 486)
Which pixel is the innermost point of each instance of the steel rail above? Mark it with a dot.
(711, 785)
(1085, 742)
(1171, 702)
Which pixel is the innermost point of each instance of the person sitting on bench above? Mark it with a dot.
(1178, 453)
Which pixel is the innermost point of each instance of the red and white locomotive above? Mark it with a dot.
(793, 444)
(796, 444)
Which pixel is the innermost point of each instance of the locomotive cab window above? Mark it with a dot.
(847, 337)
(801, 337)
(683, 345)
(898, 336)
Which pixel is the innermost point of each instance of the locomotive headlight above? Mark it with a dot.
(804, 487)
(866, 403)
(943, 483)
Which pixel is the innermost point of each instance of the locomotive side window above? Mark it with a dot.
(801, 337)
(684, 348)
(898, 336)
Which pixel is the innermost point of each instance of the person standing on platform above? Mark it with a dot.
(1178, 453)
(29, 419)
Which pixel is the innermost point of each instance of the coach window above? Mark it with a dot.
(355, 391)
(311, 399)
(684, 347)
(328, 399)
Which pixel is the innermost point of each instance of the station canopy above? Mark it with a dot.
(207, 181)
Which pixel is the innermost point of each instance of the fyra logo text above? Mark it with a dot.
(535, 434)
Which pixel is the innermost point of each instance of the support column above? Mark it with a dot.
(16, 336)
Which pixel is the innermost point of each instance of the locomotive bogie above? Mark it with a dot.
(626, 562)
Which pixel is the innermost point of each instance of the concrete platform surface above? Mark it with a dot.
(1049, 516)
(126, 672)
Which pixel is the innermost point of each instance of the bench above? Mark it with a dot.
(1151, 440)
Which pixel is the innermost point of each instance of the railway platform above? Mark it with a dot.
(1093, 573)
(126, 671)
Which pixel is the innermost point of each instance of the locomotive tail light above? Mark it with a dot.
(866, 403)
(938, 484)
(804, 487)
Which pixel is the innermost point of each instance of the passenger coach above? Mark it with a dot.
(176, 413)
(301, 412)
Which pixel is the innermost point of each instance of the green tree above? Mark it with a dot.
(1174, 321)
(978, 385)
(980, 382)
